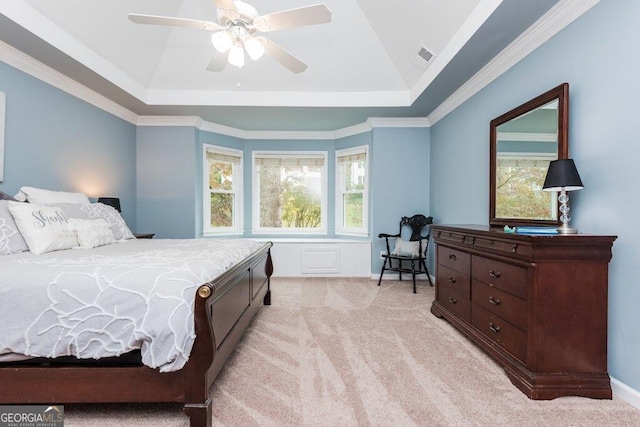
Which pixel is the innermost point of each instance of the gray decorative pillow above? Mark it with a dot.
(95, 211)
(11, 241)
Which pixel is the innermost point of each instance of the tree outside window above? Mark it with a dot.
(291, 192)
(519, 189)
(223, 182)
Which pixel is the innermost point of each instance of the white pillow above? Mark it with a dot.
(44, 228)
(406, 248)
(92, 232)
(48, 197)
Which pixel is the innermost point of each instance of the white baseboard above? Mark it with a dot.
(626, 393)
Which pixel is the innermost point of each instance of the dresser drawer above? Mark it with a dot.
(454, 259)
(454, 281)
(500, 303)
(459, 304)
(499, 330)
(510, 278)
(509, 248)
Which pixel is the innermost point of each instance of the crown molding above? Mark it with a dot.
(551, 23)
(197, 122)
(20, 61)
(399, 122)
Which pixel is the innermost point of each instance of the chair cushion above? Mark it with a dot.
(406, 248)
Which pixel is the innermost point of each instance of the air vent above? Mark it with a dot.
(423, 58)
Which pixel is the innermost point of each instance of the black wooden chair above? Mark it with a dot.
(412, 251)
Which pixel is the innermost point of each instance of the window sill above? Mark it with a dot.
(307, 240)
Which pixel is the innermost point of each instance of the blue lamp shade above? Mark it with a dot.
(114, 202)
(562, 176)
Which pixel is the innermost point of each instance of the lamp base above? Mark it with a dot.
(567, 230)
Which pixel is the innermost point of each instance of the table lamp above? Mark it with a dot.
(563, 176)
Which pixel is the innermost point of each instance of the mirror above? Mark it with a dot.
(523, 142)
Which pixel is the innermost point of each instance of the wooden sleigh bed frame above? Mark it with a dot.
(224, 308)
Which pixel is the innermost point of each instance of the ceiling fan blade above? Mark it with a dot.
(173, 22)
(218, 61)
(226, 5)
(310, 15)
(282, 56)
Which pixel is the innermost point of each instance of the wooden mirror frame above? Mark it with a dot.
(561, 93)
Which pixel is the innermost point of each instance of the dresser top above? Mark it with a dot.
(529, 247)
(498, 232)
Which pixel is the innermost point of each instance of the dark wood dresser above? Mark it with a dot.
(536, 303)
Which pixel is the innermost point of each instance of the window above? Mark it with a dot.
(290, 192)
(222, 190)
(352, 191)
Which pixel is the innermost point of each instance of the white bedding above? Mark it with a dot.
(103, 302)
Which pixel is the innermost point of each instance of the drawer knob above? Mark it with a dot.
(495, 329)
(495, 274)
(452, 300)
(514, 248)
(494, 301)
(452, 279)
(452, 257)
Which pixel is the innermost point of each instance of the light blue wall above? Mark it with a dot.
(400, 159)
(168, 181)
(597, 56)
(55, 141)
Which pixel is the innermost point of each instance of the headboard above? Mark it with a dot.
(5, 196)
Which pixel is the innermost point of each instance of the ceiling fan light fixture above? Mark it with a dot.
(236, 55)
(222, 41)
(254, 47)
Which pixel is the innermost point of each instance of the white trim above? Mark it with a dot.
(28, 65)
(197, 122)
(552, 22)
(626, 393)
(238, 186)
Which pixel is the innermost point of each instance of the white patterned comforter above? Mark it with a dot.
(103, 302)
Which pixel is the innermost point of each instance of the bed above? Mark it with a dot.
(62, 296)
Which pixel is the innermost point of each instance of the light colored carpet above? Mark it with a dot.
(345, 352)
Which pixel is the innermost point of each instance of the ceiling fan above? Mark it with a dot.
(236, 28)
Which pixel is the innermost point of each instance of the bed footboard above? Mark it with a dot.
(223, 310)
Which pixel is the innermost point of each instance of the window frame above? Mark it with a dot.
(238, 214)
(255, 198)
(341, 229)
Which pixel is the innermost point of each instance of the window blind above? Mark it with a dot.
(356, 157)
(289, 161)
(223, 157)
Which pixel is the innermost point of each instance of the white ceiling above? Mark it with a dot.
(361, 63)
